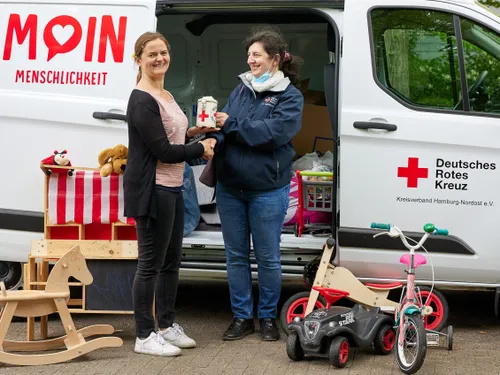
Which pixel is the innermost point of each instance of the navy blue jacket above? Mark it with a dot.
(254, 149)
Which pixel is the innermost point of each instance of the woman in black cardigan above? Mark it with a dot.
(157, 131)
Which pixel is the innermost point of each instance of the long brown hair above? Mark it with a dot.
(141, 43)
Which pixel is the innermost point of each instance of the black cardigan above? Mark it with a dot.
(148, 143)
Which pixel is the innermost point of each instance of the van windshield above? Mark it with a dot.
(492, 5)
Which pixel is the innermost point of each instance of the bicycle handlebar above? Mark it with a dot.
(428, 228)
(431, 228)
(380, 226)
(441, 232)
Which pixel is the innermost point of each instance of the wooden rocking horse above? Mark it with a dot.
(36, 303)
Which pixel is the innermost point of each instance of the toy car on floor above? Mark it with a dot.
(330, 332)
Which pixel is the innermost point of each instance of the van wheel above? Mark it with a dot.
(296, 306)
(440, 310)
(11, 274)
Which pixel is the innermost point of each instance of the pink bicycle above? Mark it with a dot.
(411, 348)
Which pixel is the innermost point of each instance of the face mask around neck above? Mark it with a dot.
(263, 78)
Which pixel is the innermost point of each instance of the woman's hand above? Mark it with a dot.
(220, 119)
(195, 130)
(208, 146)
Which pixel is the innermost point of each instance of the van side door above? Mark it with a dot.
(419, 136)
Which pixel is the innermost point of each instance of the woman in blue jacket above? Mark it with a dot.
(253, 160)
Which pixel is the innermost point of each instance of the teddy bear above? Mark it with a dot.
(58, 158)
(113, 160)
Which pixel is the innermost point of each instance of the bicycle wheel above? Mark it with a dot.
(411, 354)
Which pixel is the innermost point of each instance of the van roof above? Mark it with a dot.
(309, 3)
(277, 2)
(329, 3)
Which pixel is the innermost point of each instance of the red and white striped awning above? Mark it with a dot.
(86, 198)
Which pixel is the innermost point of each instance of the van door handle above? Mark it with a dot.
(365, 125)
(109, 116)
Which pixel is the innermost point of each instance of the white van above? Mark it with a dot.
(411, 92)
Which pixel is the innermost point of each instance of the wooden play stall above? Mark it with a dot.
(82, 208)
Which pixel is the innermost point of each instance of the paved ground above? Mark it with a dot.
(204, 311)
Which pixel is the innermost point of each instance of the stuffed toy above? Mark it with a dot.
(58, 158)
(113, 160)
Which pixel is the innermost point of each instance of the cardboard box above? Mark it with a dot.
(315, 123)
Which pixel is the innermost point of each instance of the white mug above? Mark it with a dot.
(207, 109)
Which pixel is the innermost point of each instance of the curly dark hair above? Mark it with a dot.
(274, 44)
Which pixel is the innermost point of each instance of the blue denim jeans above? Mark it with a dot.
(261, 215)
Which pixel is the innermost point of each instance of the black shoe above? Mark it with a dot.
(238, 329)
(269, 330)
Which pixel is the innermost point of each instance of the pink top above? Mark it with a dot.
(176, 124)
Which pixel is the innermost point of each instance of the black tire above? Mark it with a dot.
(337, 354)
(293, 348)
(384, 340)
(11, 273)
(449, 338)
(416, 364)
(291, 302)
(438, 302)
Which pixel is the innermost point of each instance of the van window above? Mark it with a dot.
(417, 60)
(417, 50)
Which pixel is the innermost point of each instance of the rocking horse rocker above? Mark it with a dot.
(36, 303)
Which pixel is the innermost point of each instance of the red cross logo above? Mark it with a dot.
(203, 116)
(412, 173)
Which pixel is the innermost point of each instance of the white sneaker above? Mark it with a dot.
(155, 345)
(175, 335)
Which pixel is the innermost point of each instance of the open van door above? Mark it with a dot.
(418, 139)
(67, 72)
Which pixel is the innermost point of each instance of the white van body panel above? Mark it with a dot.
(48, 98)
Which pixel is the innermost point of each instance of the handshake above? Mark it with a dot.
(208, 146)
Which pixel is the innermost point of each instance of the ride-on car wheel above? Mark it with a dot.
(440, 310)
(339, 351)
(384, 340)
(293, 348)
(296, 306)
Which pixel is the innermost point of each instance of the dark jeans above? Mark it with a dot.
(259, 214)
(160, 251)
